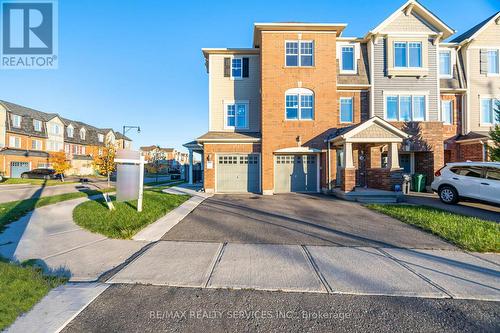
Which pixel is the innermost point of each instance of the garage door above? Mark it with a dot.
(296, 173)
(17, 168)
(238, 173)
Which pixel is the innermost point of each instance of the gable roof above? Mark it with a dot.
(475, 30)
(27, 112)
(423, 12)
(351, 133)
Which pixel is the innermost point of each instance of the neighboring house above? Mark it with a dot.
(479, 51)
(28, 136)
(169, 158)
(307, 109)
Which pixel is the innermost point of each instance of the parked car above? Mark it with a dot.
(41, 174)
(468, 180)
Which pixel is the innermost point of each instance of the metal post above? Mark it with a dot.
(190, 167)
(141, 184)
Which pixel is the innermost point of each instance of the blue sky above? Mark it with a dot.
(140, 63)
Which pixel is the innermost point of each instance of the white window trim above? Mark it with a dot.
(357, 55)
(100, 137)
(444, 101)
(299, 61)
(36, 121)
(82, 130)
(236, 77)
(488, 74)
(407, 55)
(15, 116)
(70, 127)
(15, 139)
(300, 92)
(38, 145)
(340, 110)
(403, 94)
(452, 63)
(490, 97)
(247, 117)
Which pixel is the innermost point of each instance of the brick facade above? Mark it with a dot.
(471, 152)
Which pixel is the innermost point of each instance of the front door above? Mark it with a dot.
(405, 162)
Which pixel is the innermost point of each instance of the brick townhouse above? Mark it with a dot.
(28, 136)
(171, 158)
(306, 109)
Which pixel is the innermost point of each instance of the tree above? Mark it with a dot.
(495, 135)
(104, 163)
(59, 163)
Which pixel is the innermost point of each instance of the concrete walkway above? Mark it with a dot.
(62, 247)
(318, 269)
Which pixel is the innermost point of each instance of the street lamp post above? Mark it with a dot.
(127, 128)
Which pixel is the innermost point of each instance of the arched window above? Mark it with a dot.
(299, 104)
(69, 131)
(82, 134)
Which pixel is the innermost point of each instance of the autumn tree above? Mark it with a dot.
(104, 162)
(495, 135)
(59, 163)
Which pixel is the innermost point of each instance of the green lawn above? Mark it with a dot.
(50, 182)
(21, 287)
(14, 210)
(468, 233)
(125, 221)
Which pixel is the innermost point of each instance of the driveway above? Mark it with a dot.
(297, 219)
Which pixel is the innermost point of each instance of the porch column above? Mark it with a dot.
(202, 167)
(190, 167)
(348, 163)
(393, 156)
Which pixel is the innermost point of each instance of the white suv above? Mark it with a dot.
(472, 180)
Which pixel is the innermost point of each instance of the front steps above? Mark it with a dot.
(367, 196)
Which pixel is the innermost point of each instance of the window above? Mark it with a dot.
(472, 171)
(15, 142)
(82, 134)
(347, 58)
(299, 104)
(36, 145)
(100, 137)
(493, 173)
(405, 107)
(408, 54)
(488, 116)
(37, 125)
(445, 63)
(70, 131)
(346, 112)
(55, 129)
(236, 115)
(237, 68)
(299, 53)
(16, 121)
(447, 112)
(55, 145)
(493, 62)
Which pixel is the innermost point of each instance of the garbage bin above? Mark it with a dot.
(419, 182)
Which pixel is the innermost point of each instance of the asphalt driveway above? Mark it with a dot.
(297, 219)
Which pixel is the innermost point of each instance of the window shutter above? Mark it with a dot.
(245, 67)
(227, 67)
(483, 61)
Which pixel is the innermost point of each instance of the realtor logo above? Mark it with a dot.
(29, 36)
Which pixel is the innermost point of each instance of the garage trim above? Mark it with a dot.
(216, 158)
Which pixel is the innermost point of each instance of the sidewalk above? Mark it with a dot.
(318, 269)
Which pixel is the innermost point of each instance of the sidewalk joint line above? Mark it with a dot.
(74, 248)
(218, 258)
(481, 258)
(316, 269)
(426, 279)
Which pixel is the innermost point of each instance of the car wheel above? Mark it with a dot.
(448, 195)
(24, 176)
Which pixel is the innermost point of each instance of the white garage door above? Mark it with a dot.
(295, 173)
(238, 173)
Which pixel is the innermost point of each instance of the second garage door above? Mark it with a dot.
(17, 168)
(238, 173)
(295, 173)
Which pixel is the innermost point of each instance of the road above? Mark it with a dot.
(26, 191)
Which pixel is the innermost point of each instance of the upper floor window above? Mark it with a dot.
(447, 112)
(37, 125)
(445, 64)
(70, 131)
(82, 134)
(236, 68)
(15, 142)
(407, 54)
(55, 129)
(299, 53)
(299, 104)
(493, 62)
(36, 145)
(346, 110)
(16, 121)
(100, 137)
(347, 58)
(237, 115)
(405, 107)
(488, 114)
